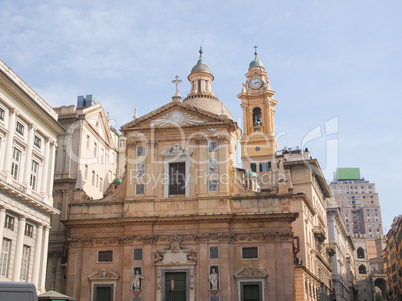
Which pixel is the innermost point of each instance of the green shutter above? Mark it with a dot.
(260, 166)
(269, 166)
(253, 167)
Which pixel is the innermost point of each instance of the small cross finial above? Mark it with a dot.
(255, 51)
(200, 52)
(177, 81)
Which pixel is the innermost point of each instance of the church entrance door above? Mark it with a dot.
(103, 293)
(251, 292)
(180, 287)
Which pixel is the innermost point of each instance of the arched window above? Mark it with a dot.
(362, 269)
(360, 253)
(257, 117)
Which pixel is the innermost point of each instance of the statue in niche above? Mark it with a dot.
(213, 278)
(136, 284)
(140, 170)
(212, 166)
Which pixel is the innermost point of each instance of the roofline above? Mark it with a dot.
(32, 99)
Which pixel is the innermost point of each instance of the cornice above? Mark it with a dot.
(129, 240)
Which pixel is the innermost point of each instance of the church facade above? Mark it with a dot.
(185, 223)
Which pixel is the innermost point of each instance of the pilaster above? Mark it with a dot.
(45, 167)
(18, 249)
(9, 142)
(28, 157)
(37, 256)
(45, 245)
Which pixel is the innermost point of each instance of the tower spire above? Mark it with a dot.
(255, 52)
(200, 60)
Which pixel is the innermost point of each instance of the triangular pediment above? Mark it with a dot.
(96, 118)
(173, 115)
(250, 272)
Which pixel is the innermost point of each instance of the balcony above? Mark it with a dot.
(319, 233)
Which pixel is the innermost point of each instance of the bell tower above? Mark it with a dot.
(258, 143)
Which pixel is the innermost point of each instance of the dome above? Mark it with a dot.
(117, 181)
(251, 174)
(200, 67)
(256, 63)
(211, 105)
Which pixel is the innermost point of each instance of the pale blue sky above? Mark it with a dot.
(326, 59)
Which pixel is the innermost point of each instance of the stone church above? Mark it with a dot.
(185, 223)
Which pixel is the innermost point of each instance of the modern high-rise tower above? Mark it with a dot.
(359, 202)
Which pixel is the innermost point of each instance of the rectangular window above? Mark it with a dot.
(9, 223)
(88, 142)
(86, 172)
(265, 166)
(253, 167)
(5, 257)
(26, 253)
(102, 155)
(95, 149)
(97, 181)
(137, 254)
(141, 150)
(177, 178)
(28, 230)
(100, 184)
(1, 114)
(213, 252)
(139, 188)
(213, 146)
(34, 175)
(213, 185)
(105, 256)
(15, 166)
(19, 128)
(37, 141)
(93, 178)
(249, 252)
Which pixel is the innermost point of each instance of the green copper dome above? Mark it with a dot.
(117, 181)
(257, 63)
(251, 174)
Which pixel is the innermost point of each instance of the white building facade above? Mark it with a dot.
(28, 135)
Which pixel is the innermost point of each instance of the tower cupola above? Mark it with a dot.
(201, 78)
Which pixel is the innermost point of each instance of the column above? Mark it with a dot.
(38, 253)
(45, 245)
(50, 180)
(45, 167)
(2, 220)
(18, 249)
(9, 142)
(28, 157)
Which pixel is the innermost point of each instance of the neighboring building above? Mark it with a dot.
(28, 133)
(360, 205)
(309, 195)
(394, 260)
(200, 221)
(87, 160)
(362, 268)
(341, 244)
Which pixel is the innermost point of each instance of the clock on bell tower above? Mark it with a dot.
(258, 143)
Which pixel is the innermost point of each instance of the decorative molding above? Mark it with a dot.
(176, 118)
(103, 275)
(250, 272)
(212, 130)
(178, 239)
(175, 150)
(175, 253)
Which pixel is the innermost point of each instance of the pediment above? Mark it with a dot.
(176, 150)
(103, 274)
(175, 253)
(250, 272)
(174, 115)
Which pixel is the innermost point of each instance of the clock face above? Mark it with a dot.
(255, 83)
